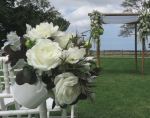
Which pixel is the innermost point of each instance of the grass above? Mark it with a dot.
(121, 91)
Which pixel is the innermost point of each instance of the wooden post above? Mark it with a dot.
(143, 54)
(98, 52)
(87, 51)
(135, 54)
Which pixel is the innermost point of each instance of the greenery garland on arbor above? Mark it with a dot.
(144, 21)
(96, 31)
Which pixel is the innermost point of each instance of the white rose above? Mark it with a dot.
(41, 31)
(45, 55)
(14, 40)
(73, 55)
(67, 88)
(32, 33)
(63, 40)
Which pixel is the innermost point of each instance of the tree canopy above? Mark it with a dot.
(15, 15)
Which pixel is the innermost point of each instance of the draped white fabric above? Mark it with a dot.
(120, 18)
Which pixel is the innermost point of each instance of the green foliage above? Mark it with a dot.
(127, 30)
(131, 6)
(87, 45)
(15, 18)
(96, 24)
(147, 4)
(29, 43)
(144, 21)
(144, 25)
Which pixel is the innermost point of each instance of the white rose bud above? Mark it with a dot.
(63, 40)
(73, 55)
(14, 40)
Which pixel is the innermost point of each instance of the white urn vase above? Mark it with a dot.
(30, 96)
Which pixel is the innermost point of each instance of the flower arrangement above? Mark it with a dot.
(96, 24)
(45, 53)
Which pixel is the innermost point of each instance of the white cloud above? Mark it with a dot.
(77, 3)
(76, 11)
(102, 2)
(79, 18)
(82, 12)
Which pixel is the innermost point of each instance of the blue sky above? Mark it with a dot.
(111, 40)
(76, 11)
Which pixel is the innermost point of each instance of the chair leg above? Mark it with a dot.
(43, 110)
(64, 113)
(17, 106)
(48, 114)
(72, 111)
(2, 107)
(2, 104)
(29, 116)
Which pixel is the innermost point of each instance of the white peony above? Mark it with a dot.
(67, 88)
(73, 55)
(13, 40)
(45, 55)
(32, 34)
(41, 31)
(63, 40)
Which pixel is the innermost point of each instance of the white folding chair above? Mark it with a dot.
(5, 94)
(43, 110)
(6, 98)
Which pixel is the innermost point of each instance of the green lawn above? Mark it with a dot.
(121, 92)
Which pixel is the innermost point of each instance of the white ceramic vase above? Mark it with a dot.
(30, 96)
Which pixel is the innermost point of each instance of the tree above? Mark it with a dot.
(15, 15)
(131, 6)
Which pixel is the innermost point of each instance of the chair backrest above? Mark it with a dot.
(4, 79)
(2, 105)
(5, 72)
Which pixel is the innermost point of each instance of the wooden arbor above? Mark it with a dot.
(127, 18)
